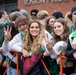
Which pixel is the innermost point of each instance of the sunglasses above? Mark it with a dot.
(33, 14)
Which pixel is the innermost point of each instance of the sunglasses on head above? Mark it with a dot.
(33, 14)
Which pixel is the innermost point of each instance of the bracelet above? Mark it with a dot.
(7, 39)
(29, 53)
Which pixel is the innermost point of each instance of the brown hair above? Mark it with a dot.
(21, 20)
(1, 13)
(47, 22)
(66, 30)
(13, 16)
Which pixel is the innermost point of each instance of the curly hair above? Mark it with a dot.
(33, 44)
(34, 10)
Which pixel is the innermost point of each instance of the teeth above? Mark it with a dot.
(34, 32)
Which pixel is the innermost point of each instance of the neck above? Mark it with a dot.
(61, 36)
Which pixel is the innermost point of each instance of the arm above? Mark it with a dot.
(69, 50)
(18, 47)
(7, 45)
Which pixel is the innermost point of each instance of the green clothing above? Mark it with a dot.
(74, 34)
(2, 25)
(49, 30)
(71, 28)
(7, 59)
(53, 67)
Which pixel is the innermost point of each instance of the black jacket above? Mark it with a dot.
(69, 51)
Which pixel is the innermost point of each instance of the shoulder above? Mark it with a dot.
(17, 36)
(46, 32)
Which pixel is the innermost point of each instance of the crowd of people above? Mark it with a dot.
(39, 39)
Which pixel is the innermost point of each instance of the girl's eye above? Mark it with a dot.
(34, 27)
(37, 27)
(31, 27)
(58, 26)
(19, 26)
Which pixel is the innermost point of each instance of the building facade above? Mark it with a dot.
(49, 5)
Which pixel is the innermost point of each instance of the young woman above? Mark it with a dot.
(61, 33)
(50, 23)
(11, 34)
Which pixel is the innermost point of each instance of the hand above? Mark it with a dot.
(46, 54)
(48, 42)
(7, 33)
(24, 52)
(1, 49)
(74, 43)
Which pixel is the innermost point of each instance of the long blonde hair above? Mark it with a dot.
(29, 43)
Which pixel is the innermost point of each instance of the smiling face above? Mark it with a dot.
(51, 22)
(21, 23)
(58, 28)
(34, 29)
(22, 27)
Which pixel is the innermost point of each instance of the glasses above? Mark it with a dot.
(33, 14)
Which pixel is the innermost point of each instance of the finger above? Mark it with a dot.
(10, 29)
(4, 29)
(51, 41)
(7, 28)
(46, 37)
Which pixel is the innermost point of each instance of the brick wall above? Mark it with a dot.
(49, 6)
